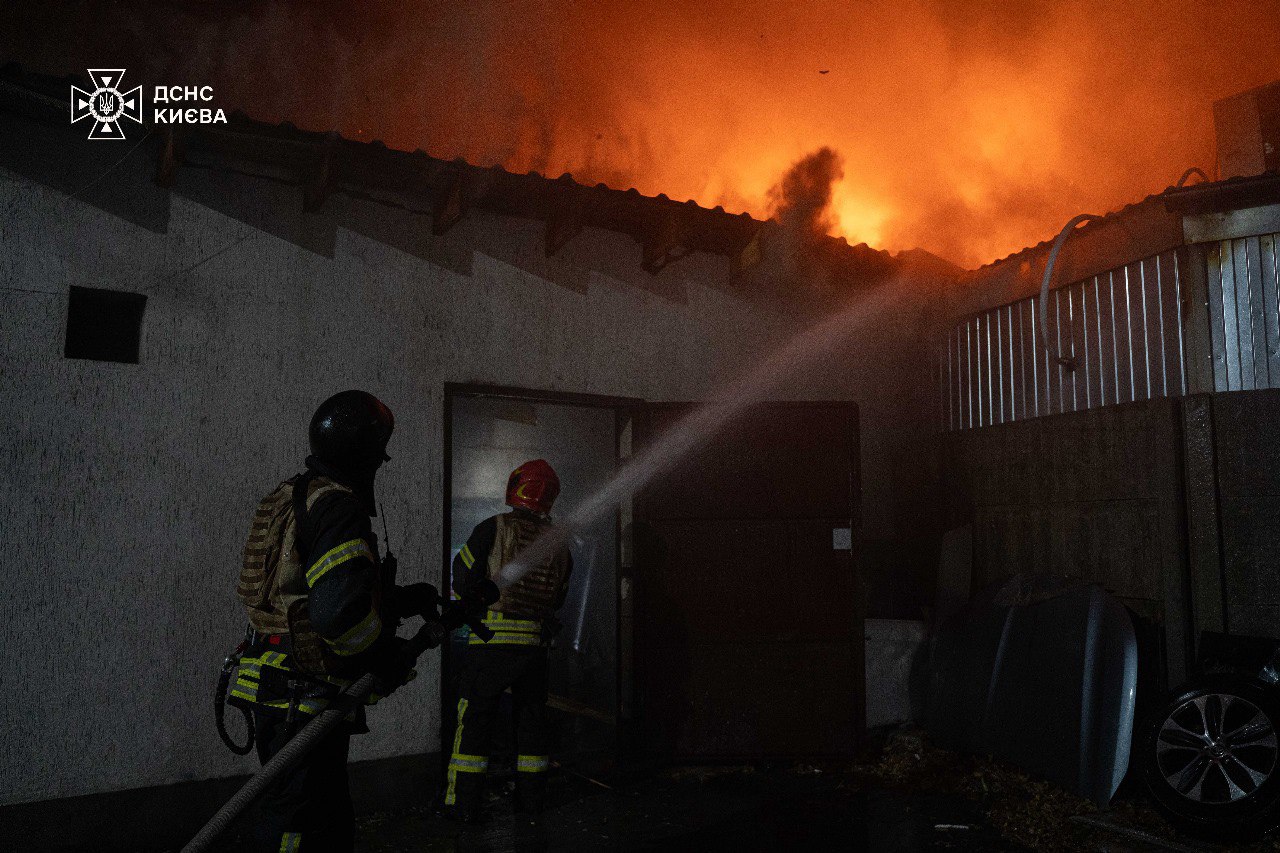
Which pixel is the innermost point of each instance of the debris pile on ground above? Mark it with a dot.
(707, 772)
(1024, 810)
(1140, 815)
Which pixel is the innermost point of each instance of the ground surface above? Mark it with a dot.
(735, 810)
(907, 796)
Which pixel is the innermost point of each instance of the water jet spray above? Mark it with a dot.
(700, 425)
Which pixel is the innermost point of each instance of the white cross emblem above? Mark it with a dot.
(106, 103)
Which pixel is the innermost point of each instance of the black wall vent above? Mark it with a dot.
(104, 325)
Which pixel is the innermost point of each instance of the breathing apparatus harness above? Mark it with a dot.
(229, 666)
(298, 681)
(470, 610)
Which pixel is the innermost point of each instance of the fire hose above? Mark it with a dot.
(430, 635)
(220, 704)
(1065, 361)
(288, 757)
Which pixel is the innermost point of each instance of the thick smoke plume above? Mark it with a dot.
(801, 201)
(967, 129)
(801, 204)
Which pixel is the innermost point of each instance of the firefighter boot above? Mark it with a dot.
(464, 799)
(531, 793)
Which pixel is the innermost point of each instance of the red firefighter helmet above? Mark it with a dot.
(533, 486)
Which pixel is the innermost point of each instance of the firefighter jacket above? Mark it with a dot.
(517, 616)
(312, 592)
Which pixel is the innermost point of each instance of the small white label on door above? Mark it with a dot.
(841, 538)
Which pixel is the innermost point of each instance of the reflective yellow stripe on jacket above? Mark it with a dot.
(336, 556)
(250, 674)
(249, 677)
(510, 632)
(358, 638)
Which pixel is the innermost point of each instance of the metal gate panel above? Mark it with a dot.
(1244, 313)
(1122, 328)
(1269, 275)
(1121, 319)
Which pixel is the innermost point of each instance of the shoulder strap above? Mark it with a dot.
(301, 485)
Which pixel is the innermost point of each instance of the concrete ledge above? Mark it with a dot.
(166, 816)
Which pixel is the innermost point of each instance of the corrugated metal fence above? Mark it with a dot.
(1125, 331)
(1123, 328)
(1244, 313)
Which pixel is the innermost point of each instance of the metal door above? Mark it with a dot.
(748, 613)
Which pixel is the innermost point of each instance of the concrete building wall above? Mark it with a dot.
(127, 489)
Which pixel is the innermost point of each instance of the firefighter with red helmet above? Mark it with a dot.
(523, 621)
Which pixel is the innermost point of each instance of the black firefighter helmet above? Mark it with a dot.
(350, 431)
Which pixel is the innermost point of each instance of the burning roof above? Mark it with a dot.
(322, 164)
(965, 131)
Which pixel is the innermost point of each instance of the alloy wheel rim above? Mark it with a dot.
(1216, 748)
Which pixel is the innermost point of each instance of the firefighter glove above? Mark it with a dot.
(417, 599)
(394, 667)
(481, 594)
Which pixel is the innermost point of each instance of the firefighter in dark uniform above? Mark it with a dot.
(321, 614)
(523, 621)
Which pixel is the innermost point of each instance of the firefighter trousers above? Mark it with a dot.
(309, 807)
(487, 671)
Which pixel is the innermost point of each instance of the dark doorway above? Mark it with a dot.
(748, 612)
(489, 432)
(716, 614)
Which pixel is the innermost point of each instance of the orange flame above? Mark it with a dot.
(968, 130)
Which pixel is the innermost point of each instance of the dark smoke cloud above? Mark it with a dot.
(801, 201)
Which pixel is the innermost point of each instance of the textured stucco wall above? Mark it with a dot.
(127, 489)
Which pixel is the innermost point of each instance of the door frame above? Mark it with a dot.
(622, 408)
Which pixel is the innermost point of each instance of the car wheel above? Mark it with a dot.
(1210, 757)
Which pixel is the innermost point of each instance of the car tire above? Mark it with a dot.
(1211, 760)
